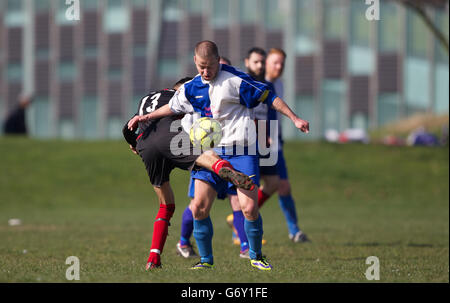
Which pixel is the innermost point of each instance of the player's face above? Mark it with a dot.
(274, 66)
(207, 67)
(255, 65)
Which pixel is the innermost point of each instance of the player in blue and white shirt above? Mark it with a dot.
(227, 95)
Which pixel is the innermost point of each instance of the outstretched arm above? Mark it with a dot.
(161, 112)
(281, 106)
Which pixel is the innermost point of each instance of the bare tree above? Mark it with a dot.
(419, 6)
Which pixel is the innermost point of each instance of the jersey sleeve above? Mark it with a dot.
(179, 103)
(252, 93)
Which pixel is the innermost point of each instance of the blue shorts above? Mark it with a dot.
(281, 165)
(247, 164)
(279, 169)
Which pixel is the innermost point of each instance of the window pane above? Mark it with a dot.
(334, 24)
(306, 17)
(194, 6)
(417, 35)
(389, 27)
(117, 18)
(220, 13)
(171, 10)
(273, 16)
(14, 72)
(248, 11)
(67, 71)
(359, 25)
(442, 22)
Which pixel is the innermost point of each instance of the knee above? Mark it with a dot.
(251, 211)
(199, 210)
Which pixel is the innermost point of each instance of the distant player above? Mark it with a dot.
(226, 94)
(153, 144)
(274, 69)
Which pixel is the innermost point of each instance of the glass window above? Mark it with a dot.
(67, 129)
(117, 18)
(417, 84)
(273, 15)
(360, 121)
(168, 68)
(88, 5)
(305, 106)
(90, 51)
(442, 21)
(67, 71)
(248, 11)
(41, 5)
(359, 25)
(89, 119)
(333, 105)
(14, 15)
(389, 27)
(334, 25)
(417, 35)
(306, 17)
(441, 88)
(115, 73)
(14, 72)
(221, 14)
(388, 108)
(40, 117)
(137, 3)
(171, 10)
(194, 6)
(139, 50)
(114, 128)
(305, 41)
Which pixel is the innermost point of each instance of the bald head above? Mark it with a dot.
(206, 59)
(207, 49)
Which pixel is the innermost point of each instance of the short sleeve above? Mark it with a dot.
(179, 103)
(252, 93)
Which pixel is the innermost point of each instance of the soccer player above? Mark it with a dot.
(274, 69)
(226, 94)
(184, 247)
(154, 145)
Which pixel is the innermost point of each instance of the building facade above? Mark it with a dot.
(342, 70)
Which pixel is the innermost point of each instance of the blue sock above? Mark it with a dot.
(238, 222)
(288, 207)
(203, 233)
(187, 226)
(254, 230)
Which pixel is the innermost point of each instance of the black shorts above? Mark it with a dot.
(154, 148)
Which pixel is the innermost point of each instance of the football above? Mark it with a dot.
(206, 133)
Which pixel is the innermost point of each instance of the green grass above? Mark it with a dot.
(93, 200)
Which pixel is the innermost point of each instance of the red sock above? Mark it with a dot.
(219, 164)
(262, 197)
(160, 231)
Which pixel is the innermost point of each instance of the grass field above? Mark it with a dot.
(93, 200)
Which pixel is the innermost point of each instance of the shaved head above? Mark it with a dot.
(206, 59)
(207, 49)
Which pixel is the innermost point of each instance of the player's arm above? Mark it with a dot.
(161, 112)
(279, 105)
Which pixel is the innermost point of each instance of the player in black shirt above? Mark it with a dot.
(153, 143)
